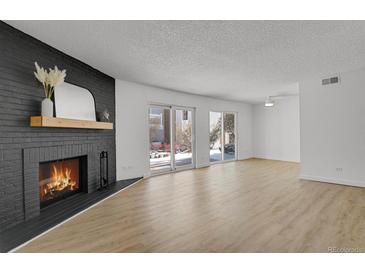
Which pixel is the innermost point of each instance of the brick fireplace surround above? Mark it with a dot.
(33, 156)
(23, 147)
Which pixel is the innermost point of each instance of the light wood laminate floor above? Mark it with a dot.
(244, 206)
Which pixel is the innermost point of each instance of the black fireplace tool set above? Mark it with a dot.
(104, 178)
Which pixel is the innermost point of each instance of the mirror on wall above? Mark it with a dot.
(74, 102)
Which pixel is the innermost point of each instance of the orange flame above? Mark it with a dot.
(60, 180)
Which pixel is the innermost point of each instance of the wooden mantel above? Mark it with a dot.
(42, 121)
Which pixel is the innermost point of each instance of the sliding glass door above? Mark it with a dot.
(171, 138)
(183, 137)
(229, 136)
(160, 138)
(222, 136)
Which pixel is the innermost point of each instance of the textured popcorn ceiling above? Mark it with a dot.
(235, 60)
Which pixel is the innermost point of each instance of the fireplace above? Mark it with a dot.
(60, 179)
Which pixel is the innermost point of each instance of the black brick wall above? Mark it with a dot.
(20, 97)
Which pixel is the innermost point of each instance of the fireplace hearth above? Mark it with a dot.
(60, 179)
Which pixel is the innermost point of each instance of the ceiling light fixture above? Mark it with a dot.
(269, 102)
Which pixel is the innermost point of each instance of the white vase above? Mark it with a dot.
(47, 107)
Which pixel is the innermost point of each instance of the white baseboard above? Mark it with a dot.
(277, 159)
(245, 158)
(202, 165)
(333, 180)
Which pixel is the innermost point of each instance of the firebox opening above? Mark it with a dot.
(60, 179)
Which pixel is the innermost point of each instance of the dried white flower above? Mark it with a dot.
(50, 79)
(56, 76)
(40, 74)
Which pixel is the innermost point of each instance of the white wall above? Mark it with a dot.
(132, 125)
(333, 129)
(276, 130)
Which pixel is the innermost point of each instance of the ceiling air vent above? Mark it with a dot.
(331, 80)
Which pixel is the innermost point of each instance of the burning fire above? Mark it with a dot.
(59, 180)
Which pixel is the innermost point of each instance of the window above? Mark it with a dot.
(222, 137)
